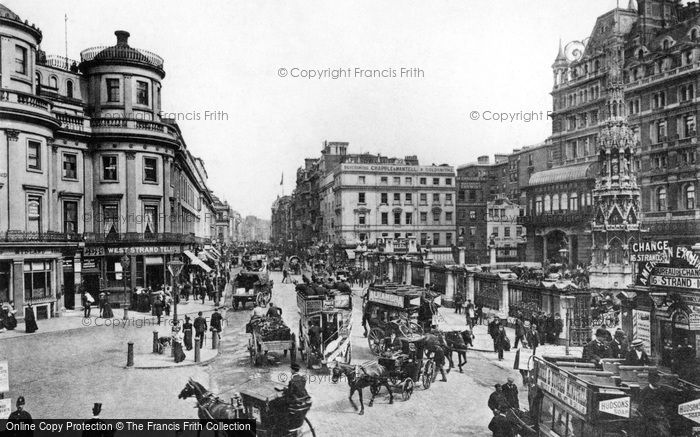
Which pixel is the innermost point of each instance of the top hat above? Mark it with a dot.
(295, 367)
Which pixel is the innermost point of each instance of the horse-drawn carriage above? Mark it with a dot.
(325, 324)
(276, 264)
(391, 309)
(294, 265)
(267, 335)
(250, 286)
(265, 402)
(405, 367)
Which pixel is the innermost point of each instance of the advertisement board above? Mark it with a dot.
(641, 328)
(562, 386)
(617, 407)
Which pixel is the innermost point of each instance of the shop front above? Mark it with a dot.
(32, 276)
(103, 269)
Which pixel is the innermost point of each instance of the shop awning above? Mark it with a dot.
(350, 253)
(196, 261)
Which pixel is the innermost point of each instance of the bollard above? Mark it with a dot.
(196, 350)
(155, 342)
(126, 314)
(215, 340)
(130, 354)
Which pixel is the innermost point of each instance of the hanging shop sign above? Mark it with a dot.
(91, 265)
(694, 321)
(677, 267)
(617, 407)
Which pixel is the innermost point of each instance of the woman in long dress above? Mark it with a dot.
(177, 344)
(10, 320)
(29, 320)
(107, 309)
(187, 328)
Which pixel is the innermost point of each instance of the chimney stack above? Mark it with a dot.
(122, 38)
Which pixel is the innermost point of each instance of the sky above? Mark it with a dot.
(243, 60)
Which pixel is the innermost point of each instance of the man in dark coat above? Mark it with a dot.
(498, 400)
(274, 311)
(520, 332)
(653, 401)
(533, 338)
(158, 308)
(200, 328)
(96, 410)
(618, 345)
(216, 319)
(597, 348)
(502, 342)
(510, 390)
(493, 329)
(557, 328)
(636, 356)
(20, 416)
(500, 426)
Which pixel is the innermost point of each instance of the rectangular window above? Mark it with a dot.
(397, 218)
(20, 60)
(423, 238)
(361, 180)
(110, 218)
(397, 180)
(461, 196)
(436, 239)
(409, 218)
(360, 197)
(518, 231)
(436, 217)
(37, 280)
(361, 219)
(472, 215)
(448, 239)
(384, 198)
(384, 180)
(34, 214)
(109, 168)
(436, 198)
(150, 169)
(448, 181)
(448, 198)
(436, 181)
(423, 199)
(33, 155)
(385, 218)
(70, 166)
(472, 231)
(409, 198)
(448, 217)
(409, 181)
(424, 217)
(397, 198)
(495, 231)
(150, 218)
(506, 232)
(70, 217)
(142, 92)
(112, 90)
(423, 181)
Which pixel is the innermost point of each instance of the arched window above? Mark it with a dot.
(555, 202)
(538, 205)
(69, 89)
(37, 79)
(661, 199)
(690, 196)
(616, 252)
(564, 202)
(53, 82)
(573, 202)
(547, 203)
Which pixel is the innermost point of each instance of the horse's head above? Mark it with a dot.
(187, 391)
(337, 370)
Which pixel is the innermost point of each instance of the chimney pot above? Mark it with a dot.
(122, 37)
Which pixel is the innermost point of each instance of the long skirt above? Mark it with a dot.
(107, 311)
(30, 326)
(188, 339)
(11, 322)
(179, 354)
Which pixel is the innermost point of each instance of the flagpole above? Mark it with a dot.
(65, 37)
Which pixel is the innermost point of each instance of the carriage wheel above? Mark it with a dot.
(306, 430)
(375, 338)
(427, 376)
(374, 389)
(407, 389)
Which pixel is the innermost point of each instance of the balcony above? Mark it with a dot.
(60, 62)
(73, 123)
(140, 237)
(127, 126)
(26, 105)
(12, 236)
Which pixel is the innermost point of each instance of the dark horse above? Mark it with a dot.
(209, 407)
(373, 376)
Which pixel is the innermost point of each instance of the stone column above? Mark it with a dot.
(18, 286)
(131, 209)
(462, 256)
(58, 272)
(166, 218)
(390, 269)
(450, 286)
(469, 286)
(505, 304)
(492, 252)
(408, 276)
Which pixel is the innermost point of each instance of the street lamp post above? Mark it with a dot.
(125, 261)
(568, 299)
(175, 267)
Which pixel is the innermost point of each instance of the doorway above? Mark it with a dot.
(69, 290)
